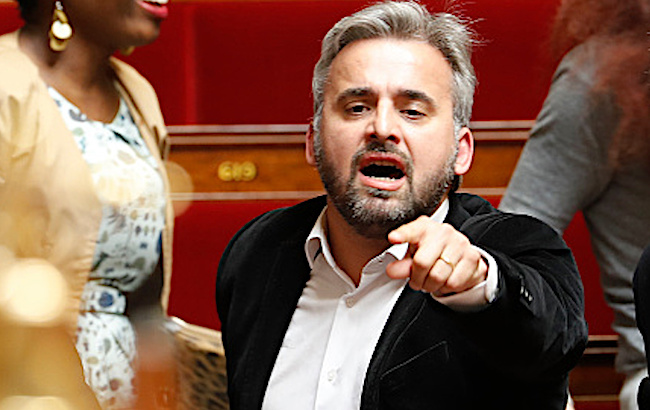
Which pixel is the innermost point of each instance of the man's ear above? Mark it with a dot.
(310, 154)
(465, 151)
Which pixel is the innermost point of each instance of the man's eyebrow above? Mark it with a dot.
(367, 91)
(354, 92)
(419, 96)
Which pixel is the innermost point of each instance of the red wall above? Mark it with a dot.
(247, 62)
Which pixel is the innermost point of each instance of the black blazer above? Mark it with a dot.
(641, 286)
(515, 354)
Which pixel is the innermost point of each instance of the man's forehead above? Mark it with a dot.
(408, 68)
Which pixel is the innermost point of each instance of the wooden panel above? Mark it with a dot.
(485, 173)
(245, 162)
(268, 162)
(594, 380)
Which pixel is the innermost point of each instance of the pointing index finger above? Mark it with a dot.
(410, 232)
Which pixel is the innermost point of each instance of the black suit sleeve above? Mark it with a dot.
(535, 326)
(642, 304)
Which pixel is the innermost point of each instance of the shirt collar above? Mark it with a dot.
(316, 242)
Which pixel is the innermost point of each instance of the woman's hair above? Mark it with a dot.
(408, 21)
(619, 29)
(27, 7)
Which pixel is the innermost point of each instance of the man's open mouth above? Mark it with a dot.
(383, 170)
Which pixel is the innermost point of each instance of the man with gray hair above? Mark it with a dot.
(393, 291)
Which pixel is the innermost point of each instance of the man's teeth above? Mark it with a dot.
(158, 1)
(384, 164)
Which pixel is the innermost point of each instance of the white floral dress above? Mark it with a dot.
(127, 181)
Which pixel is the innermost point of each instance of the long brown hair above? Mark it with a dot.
(620, 28)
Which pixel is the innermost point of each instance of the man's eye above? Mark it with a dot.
(413, 114)
(357, 109)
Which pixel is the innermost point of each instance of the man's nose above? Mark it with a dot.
(385, 124)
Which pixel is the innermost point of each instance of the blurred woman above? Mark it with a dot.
(589, 151)
(82, 184)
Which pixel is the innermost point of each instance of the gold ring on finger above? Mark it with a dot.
(450, 264)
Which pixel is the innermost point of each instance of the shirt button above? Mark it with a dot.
(331, 375)
(349, 302)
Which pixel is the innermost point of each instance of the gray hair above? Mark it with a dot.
(408, 21)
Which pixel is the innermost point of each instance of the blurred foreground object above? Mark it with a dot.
(156, 376)
(33, 292)
(39, 365)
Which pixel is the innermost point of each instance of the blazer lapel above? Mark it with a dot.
(288, 275)
(406, 310)
(457, 214)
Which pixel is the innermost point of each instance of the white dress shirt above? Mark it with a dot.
(336, 325)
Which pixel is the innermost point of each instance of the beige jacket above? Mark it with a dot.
(48, 206)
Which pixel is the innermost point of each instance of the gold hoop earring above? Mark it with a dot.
(60, 30)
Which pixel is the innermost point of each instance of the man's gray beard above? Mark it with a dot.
(367, 210)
